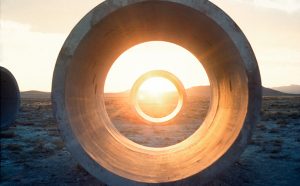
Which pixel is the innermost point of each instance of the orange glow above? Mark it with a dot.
(157, 97)
(154, 55)
(155, 89)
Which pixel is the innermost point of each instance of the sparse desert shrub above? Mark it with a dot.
(80, 169)
(282, 122)
(279, 156)
(275, 151)
(28, 124)
(8, 134)
(277, 142)
(255, 142)
(294, 115)
(270, 115)
(264, 118)
(263, 148)
(281, 115)
(49, 123)
(59, 144)
(53, 132)
(261, 126)
(274, 130)
(41, 147)
(252, 142)
(14, 147)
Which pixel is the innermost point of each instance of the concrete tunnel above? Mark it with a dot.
(101, 37)
(10, 98)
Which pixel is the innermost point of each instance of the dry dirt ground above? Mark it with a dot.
(33, 153)
(126, 120)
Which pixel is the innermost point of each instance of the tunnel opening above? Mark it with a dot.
(166, 119)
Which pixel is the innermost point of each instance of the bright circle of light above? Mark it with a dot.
(154, 74)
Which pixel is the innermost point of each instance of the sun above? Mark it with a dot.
(155, 89)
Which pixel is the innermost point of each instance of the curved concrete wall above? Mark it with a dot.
(101, 37)
(10, 98)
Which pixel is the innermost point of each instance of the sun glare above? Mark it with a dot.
(157, 97)
(155, 87)
(155, 55)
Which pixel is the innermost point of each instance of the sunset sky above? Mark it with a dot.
(33, 31)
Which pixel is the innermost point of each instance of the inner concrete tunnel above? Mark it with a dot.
(104, 34)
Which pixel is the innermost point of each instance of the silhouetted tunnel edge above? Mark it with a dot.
(113, 27)
(10, 98)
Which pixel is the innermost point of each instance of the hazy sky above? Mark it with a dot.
(33, 31)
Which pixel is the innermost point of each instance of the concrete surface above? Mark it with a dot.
(99, 39)
(10, 98)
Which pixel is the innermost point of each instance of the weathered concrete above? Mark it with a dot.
(10, 98)
(99, 39)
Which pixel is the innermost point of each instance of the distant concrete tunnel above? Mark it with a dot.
(10, 98)
(102, 36)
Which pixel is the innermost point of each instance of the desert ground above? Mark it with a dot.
(33, 153)
(127, 122)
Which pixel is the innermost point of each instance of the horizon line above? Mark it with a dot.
(112, 92)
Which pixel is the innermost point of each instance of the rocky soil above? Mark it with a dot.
(33, 153)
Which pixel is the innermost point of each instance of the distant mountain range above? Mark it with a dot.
(291, 89)
(204, 91)
(35, 94)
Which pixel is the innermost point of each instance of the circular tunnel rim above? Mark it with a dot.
(69, 48)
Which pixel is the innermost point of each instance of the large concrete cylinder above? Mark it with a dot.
(101, 37)
(10, 98)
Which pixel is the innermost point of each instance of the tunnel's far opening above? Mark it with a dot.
(161, 105)
(168, 118)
